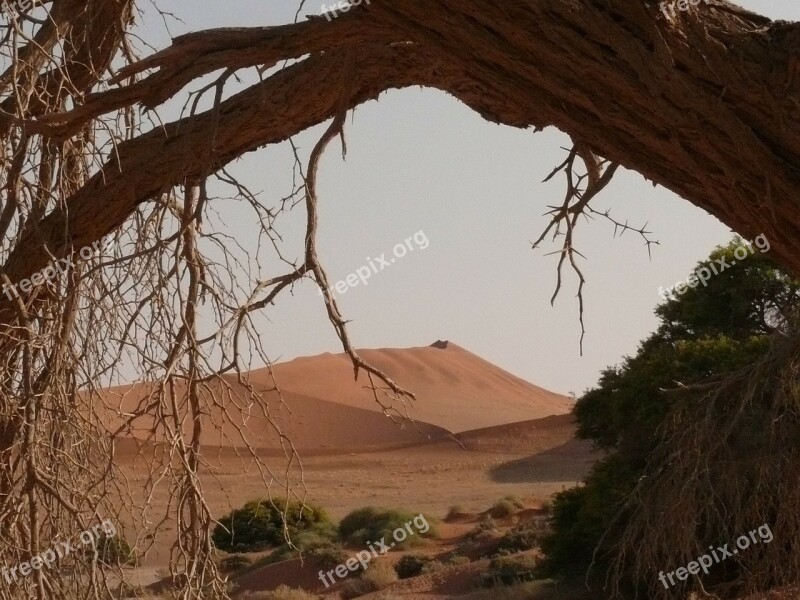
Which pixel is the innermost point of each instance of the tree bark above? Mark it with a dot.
(703, 103)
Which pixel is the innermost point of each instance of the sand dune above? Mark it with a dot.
(455, 389)
(321, 407)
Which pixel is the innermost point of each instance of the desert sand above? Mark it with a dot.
(478, 434)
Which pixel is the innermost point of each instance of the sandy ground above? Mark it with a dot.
(479, 434)
(531, 460)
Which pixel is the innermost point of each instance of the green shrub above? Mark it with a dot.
(483, 530)
(260, 525)
(433, 566)
(523, 537)
(378, 576)
(114, 551)
(506, 507)
(411, 565)
(509, 570)
(329, 556)
(234, 563)
(371, 524)
(456, 559)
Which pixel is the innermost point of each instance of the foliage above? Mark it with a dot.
(525, 536)
(371, 524)
(506, 507)
(231, 564)
(705, 332)
(379, 575)
(114, 551)
(260, 525)
(509, 570)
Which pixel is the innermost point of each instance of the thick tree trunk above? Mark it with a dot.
(705, 103)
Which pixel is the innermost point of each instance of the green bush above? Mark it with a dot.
(706, 332)
(433, 567)
(509, 570)
(114, 551)
(378, 576)
(411, 565)
(329, 556)
(260, 525)
(456, 559)
(503, 508)
(522, 537)
(371, 524)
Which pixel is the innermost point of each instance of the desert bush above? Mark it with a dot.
(483, 530)
(328, 556)
(237, 562)
(522, 537)
(378, 576)
(433, 567)
(114, 551)
(260, 525)
(456, 559)
(411, 565)
(506, 507)
(509, 570)
(371, 524)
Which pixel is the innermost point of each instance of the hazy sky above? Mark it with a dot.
(419, 160)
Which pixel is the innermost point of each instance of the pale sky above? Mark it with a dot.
(419, 160)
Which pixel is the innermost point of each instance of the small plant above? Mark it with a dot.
(523, 537)
(115, 551)
(411, 565)
(433, 566)
(329, 556)
(378, 576)
(485, 527)
(456, 559)
(509, 570)
(506, 507)
(372, 524)
(260, 525)
(234, 563)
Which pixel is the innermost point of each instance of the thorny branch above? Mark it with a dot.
(581, 190)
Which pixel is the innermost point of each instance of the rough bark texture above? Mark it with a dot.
(703, 104)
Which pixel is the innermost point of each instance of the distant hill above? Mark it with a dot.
(323, 408)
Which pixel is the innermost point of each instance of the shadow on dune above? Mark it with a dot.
(568, 462)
